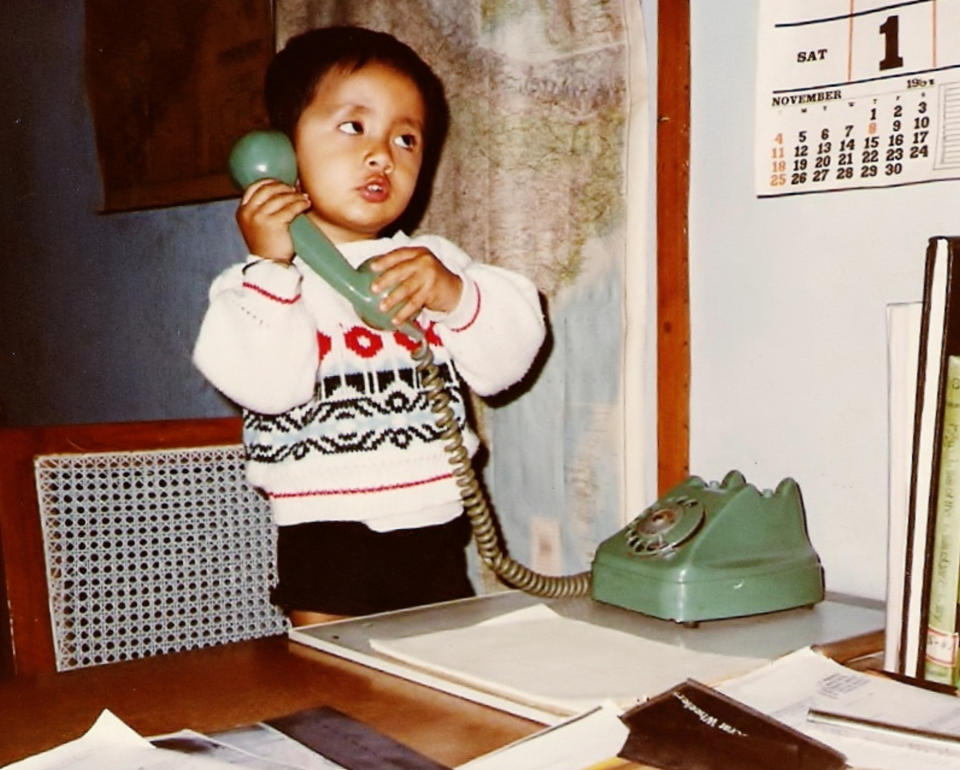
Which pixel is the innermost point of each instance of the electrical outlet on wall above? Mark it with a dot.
(545, 549)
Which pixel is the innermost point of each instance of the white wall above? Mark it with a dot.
(787, 302)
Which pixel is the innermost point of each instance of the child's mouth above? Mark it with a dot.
(375, 190)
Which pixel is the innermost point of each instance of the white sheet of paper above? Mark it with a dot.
(264, 741)
(539, 657)
(574, 744)
(111, 745)
(275, 751)
(788, 687)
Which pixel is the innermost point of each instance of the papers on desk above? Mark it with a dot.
(273, 751)
(111, 745)
(786, 690)
(790, 687)
(577, 743)
(264, 741)
(537, 656)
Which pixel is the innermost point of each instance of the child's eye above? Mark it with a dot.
(407, 141)
(351, 127)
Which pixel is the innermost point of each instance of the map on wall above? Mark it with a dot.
(855, 94)
(532, 179)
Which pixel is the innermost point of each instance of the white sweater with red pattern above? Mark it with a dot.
(336, 425)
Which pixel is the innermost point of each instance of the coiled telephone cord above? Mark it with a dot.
(474, 500)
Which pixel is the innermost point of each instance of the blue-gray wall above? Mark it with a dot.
(97, 312)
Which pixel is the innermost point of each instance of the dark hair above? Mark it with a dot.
(295, 71)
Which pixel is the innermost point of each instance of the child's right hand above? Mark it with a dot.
(266, 210)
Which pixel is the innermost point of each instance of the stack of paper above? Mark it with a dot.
(789, 688)
(541, 658)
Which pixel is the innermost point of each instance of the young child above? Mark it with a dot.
(337, 430)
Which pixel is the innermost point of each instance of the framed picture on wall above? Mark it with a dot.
(171, 86)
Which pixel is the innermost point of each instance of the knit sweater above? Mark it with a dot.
(336, 425)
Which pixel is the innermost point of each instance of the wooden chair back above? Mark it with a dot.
(26, 639)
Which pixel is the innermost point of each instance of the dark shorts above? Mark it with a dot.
(346, 568)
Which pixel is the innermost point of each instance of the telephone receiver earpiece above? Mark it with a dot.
(270, 155)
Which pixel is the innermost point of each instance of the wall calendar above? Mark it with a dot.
(855, 94)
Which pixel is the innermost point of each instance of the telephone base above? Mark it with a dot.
(710, 599)
(712, 551)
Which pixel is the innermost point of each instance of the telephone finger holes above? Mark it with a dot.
(664, 526)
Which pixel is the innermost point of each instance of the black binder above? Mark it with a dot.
(939, 338)
(693, 727)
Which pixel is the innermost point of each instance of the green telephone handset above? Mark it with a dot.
(262, 154)
(269, 154)
(704, 551)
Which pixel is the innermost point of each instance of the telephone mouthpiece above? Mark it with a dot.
(263, 155)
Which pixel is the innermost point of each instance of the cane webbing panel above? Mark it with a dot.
(155, 551)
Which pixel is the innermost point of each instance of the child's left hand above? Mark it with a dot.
(416, 279)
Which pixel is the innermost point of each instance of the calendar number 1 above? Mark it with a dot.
(890, 29)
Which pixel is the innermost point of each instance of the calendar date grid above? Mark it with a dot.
(853, 143)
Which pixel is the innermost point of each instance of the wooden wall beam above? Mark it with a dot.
(673, 284)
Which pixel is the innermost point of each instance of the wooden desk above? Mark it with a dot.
(231, 685)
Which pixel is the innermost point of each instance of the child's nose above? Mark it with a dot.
(380, 157)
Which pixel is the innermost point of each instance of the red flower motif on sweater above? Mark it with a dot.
(404, 341)
(324, 343)
(411, 344)
(363, 342)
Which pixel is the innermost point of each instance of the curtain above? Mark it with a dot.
(544, 172)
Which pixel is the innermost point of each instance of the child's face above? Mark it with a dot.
(359, 148)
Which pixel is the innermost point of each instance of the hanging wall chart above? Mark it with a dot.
(856, 94)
